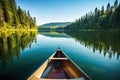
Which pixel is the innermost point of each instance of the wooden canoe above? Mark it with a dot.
(59, 66)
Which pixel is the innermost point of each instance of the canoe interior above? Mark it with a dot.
(59, 66)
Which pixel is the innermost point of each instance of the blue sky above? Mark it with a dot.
(47, 11)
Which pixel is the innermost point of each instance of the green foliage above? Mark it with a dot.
(4, 24)
(116, 17)
(102, 11)
(99, 19)
(115, 4)
(1, 14)
(6, 10)
(14, 11)
(15, 17)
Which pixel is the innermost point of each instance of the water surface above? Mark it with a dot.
(97, 53)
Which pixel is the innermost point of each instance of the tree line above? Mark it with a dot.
(101, 19)
(12, 16)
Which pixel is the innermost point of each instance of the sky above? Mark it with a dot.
(47, 11)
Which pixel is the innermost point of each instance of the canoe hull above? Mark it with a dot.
(59, 66)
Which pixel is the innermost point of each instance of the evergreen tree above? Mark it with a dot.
(11, 16)
(99, 19)
(102, 12)
(6, 10)
(34, 21)
(116, 17)
(28, 18)
(96, 11)
(108, 8)
(28, 14)
(19, 12)
(1, 14)
(14, 11)
(21, 16)
(115, 4)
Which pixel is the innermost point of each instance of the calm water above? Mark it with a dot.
(97, 53)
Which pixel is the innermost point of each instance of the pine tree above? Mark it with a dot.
(115, 4)
(21, 15)
(14, 11)
(116, 17)
(99, 19)
(28, 18)
(7, 12)
(102, 12)
(28, 14)
(11, 16)
(1, 14)
(96, 11)
(108, 8)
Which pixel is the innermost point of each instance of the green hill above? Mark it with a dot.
(54, 25)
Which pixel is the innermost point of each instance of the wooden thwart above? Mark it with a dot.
(59, 59)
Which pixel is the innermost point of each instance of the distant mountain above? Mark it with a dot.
(54, 25)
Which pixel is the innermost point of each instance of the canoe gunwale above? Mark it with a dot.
(46, 61)
(49, 60)
(77, 66)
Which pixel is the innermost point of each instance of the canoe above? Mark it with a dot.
(59, 66)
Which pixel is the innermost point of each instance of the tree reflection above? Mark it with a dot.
(107, 43)
(12, 42)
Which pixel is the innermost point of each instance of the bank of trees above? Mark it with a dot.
(102, 19)
(12, 16)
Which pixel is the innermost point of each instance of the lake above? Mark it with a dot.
(97, 53)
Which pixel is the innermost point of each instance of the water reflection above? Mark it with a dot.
(106, 42)
(11, 43)
(55, 34)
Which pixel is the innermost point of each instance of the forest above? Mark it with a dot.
(99, 19)
(13, 17)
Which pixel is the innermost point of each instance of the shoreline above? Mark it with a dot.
(2, 30)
